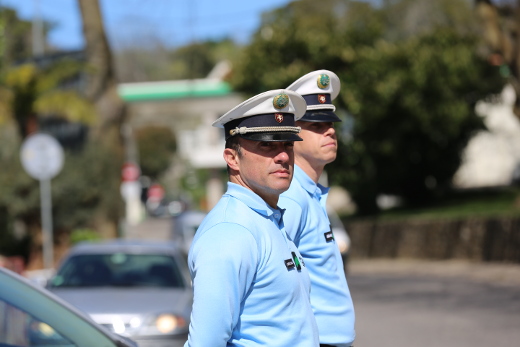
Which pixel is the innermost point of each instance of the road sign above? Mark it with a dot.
(42, 156)
(130, 172)
(156, 192)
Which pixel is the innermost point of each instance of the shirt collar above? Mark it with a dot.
(308, 184)
(251, 199)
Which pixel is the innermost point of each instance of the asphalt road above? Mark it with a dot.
(422, 303)
(430, 304)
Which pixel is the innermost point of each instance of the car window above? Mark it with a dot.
(32, 316)
(19, 329)
(119, 269)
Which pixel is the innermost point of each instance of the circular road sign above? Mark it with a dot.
(42, 156)
(130, 172)
(156, 192)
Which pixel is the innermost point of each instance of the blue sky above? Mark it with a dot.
(147, 22)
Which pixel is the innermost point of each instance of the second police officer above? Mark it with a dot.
(305, 214)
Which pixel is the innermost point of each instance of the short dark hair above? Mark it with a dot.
(234, 143)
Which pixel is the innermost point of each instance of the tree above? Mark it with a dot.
(28, 93)
(196, 60)
(411, 96)
(101, 83)
(159, 63)
(16, 36)
(29, 90)
(156, 147)
(86, 193)
(83, 196)
(414, 103)
(500, 25)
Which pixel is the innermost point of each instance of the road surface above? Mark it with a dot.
(431, 304)
(410, 303)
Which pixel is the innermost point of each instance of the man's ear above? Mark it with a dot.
(231, 158)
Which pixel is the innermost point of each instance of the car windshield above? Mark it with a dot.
(119, 269)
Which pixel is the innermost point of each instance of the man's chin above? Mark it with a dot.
(281, 185)
(328, 158)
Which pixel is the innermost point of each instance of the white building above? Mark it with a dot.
(492, 157)
(188, 108)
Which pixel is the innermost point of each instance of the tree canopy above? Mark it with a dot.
(409, 86)
(157, 146)
(44, 93)
(159, 63)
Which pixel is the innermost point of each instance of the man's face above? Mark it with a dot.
(319, 146)
(265, 167)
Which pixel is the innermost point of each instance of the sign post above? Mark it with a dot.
(42, 158)
(131, 193)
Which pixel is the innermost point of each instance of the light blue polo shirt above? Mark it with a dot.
(244, 293)
(306, 222)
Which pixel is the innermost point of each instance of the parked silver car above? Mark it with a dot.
(32, 316)
(138, 289)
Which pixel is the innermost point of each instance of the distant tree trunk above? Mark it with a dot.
(101, 85)
(101, 89)
(501, 32)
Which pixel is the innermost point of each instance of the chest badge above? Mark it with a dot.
(329, 235)
(289, 264)
(296, 261)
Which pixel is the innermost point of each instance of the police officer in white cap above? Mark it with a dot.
(306, 217)
(251, 287)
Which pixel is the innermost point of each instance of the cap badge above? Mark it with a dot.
(323, 81)
(322, 99)
(278, 117)
(280, 101)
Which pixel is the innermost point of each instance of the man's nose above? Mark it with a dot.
(282, 156)
(331, 131)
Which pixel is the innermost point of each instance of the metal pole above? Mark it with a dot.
(38, 45)
(47, 236)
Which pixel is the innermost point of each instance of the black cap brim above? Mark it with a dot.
(271, 137)
(320, 116)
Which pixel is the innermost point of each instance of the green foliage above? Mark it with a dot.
(84, 234)
(19, 193)
(488, 202)
(16, 37)
(195, 60)
(157, 146)
(28, 91)
(194, 186)
(86, 193)
(2, 39)
(413, 119)
(11, 244)
(87, 188)
(410, 91)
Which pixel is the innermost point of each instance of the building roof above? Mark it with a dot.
(149, 91)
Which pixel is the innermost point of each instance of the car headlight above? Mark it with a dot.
(165, 323)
